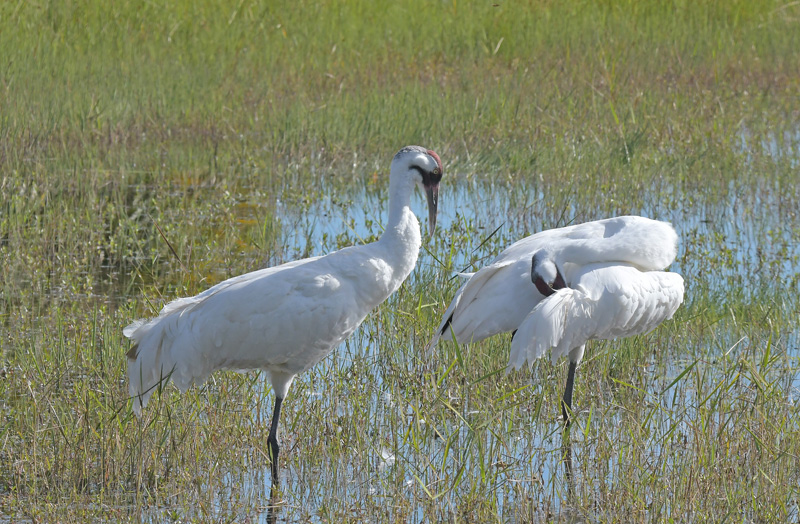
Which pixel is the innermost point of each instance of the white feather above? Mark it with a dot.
(498, 297)
(282, 319)
(607, 301)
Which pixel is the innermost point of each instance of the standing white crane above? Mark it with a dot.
(599, 280)
(285, 319)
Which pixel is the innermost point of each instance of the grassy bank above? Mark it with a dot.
(243, 135)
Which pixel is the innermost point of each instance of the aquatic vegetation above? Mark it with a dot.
(150, 151)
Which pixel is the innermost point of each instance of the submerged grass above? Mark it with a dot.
(149, 151)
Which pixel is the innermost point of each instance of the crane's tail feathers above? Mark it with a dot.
(150, 364)
(542, 329)
(133, 352)
(442, 330)
(141, 396)
(447, 320)
(445, 328)
(133, 327)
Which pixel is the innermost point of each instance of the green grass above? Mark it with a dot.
(251, 135)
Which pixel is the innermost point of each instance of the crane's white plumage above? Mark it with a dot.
(562, 287)
(604, 301)
(285, 319)
(224, 327)
(498, 297)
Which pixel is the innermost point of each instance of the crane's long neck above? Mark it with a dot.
(401, 240)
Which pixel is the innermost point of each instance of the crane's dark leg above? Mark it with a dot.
(272, 440)
(566, 402)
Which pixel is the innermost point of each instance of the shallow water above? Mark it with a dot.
(743, 235)
(736, 246)
(746, 231)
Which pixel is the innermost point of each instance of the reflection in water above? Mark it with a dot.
(275, 504)
(566, 457)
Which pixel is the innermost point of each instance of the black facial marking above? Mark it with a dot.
(542, 286)
(429, 178)
(434, 177)
(534, 263)
(559, 283)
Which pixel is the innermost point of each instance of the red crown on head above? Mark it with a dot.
(436, 157)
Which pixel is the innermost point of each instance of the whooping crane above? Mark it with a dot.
(285, 319)
(599, 279)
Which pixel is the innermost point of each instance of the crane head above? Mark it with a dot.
(427, 166)
(545, 274)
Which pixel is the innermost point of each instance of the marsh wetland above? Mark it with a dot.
(150, 151)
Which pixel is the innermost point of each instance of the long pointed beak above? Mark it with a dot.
(432, 193)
